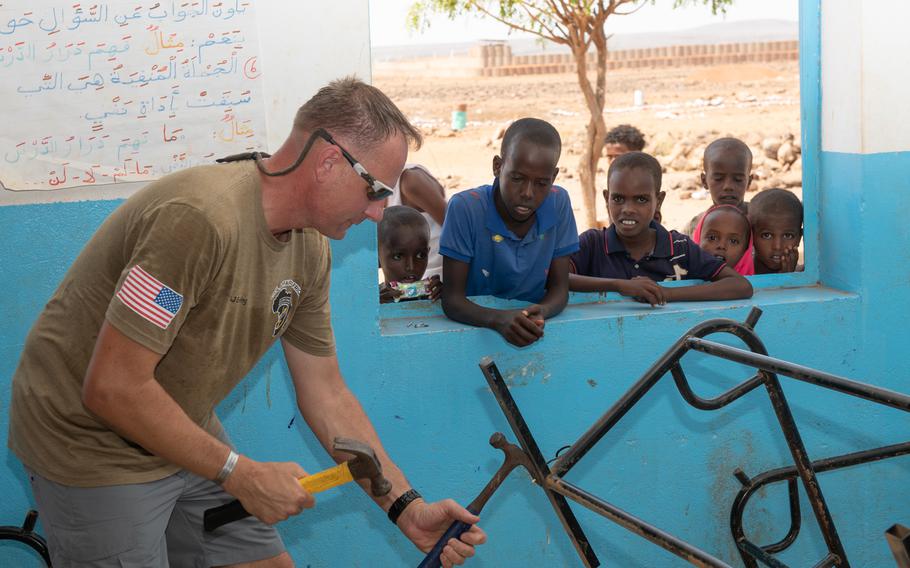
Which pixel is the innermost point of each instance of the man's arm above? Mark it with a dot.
(120, 388)
(726, 285)
(516, 326)
(423, 191)
(331, 409)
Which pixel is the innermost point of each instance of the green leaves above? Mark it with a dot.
(717, 6)
(546, 18)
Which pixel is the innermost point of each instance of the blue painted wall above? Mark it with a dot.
(665, 462)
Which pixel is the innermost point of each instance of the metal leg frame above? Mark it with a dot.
(899, 542)
(26, 534)
(803, 470)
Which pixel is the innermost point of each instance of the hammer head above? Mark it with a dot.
(514, 455)
(365, 465)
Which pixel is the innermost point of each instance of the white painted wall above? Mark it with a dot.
(865, 76)
(304, 45)
(309, 43)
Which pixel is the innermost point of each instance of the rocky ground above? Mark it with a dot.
(684, 110)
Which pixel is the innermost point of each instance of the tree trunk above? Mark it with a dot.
(588, 176)
(596, 129)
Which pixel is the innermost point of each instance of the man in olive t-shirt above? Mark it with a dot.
(179, 293)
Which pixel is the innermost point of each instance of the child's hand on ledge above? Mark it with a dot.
(387, 294)
(434, 287)
(643, 290)
(521, 327)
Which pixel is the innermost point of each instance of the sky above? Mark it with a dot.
(387, 21)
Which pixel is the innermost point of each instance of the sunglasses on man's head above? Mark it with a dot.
(376, 190)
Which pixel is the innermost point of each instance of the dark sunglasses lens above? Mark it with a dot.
(379, 195)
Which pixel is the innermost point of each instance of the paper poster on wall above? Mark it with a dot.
(98, 93)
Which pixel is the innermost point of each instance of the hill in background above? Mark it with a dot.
(724, 32)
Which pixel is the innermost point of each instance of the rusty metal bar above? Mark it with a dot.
(898, 537)
(619, 409)
(790, 474)
(804, 467)
(819, 378)
(26, 535)
(767, 368)
(628, 521)
(529, 445)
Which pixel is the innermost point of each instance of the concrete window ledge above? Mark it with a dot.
(423, 317)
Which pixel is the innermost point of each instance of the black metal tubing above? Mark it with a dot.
(771, 365)
(539, 464)
(796, 519)
(767, 370)
(661, 367)
(898, 537)
(789, 474)
(26, 535)
(662, 539)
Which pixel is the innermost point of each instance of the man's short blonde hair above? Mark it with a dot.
(358, 112)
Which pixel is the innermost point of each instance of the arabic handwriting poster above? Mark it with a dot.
(99, 93)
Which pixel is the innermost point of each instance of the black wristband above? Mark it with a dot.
(401, 504)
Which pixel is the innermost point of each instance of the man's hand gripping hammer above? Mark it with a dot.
(365, 465)
(514, 457)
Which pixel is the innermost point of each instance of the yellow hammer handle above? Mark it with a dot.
(332, 477)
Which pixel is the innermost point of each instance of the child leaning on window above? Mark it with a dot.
(404, 248)
(511, 239)
(635, 252)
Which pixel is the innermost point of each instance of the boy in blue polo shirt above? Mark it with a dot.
(635, 252)
(511, 239)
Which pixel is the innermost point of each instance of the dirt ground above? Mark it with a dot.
(685, 108)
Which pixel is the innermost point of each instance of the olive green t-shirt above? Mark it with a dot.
(188, 268)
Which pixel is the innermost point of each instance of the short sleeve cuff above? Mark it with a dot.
(719, 268)
(125, 325)
(446, 251)
(567, 250)
(321, 349)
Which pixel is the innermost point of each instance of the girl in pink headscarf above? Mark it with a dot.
(725, 232)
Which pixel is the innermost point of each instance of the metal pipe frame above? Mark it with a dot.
(789, 474)
(768, 369)
(898, 537)
(26, 534)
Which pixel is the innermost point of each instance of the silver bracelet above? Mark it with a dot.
(229, 464)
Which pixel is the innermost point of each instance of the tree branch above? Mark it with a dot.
(516, 26)
(632, 11)
(537, 19)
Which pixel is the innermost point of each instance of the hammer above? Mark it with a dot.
(365, 465)
(514, 457)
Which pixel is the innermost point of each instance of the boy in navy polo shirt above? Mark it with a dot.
(635, 252)
(511, 239)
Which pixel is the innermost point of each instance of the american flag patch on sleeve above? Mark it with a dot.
(149, 298)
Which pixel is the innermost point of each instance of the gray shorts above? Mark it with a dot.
(155, 524)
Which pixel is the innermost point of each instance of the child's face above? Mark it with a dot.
(403, 257)
(727, 175)
(526, 174)
(725, 234)
(774, 235)
(615, 150)
(632, 200)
